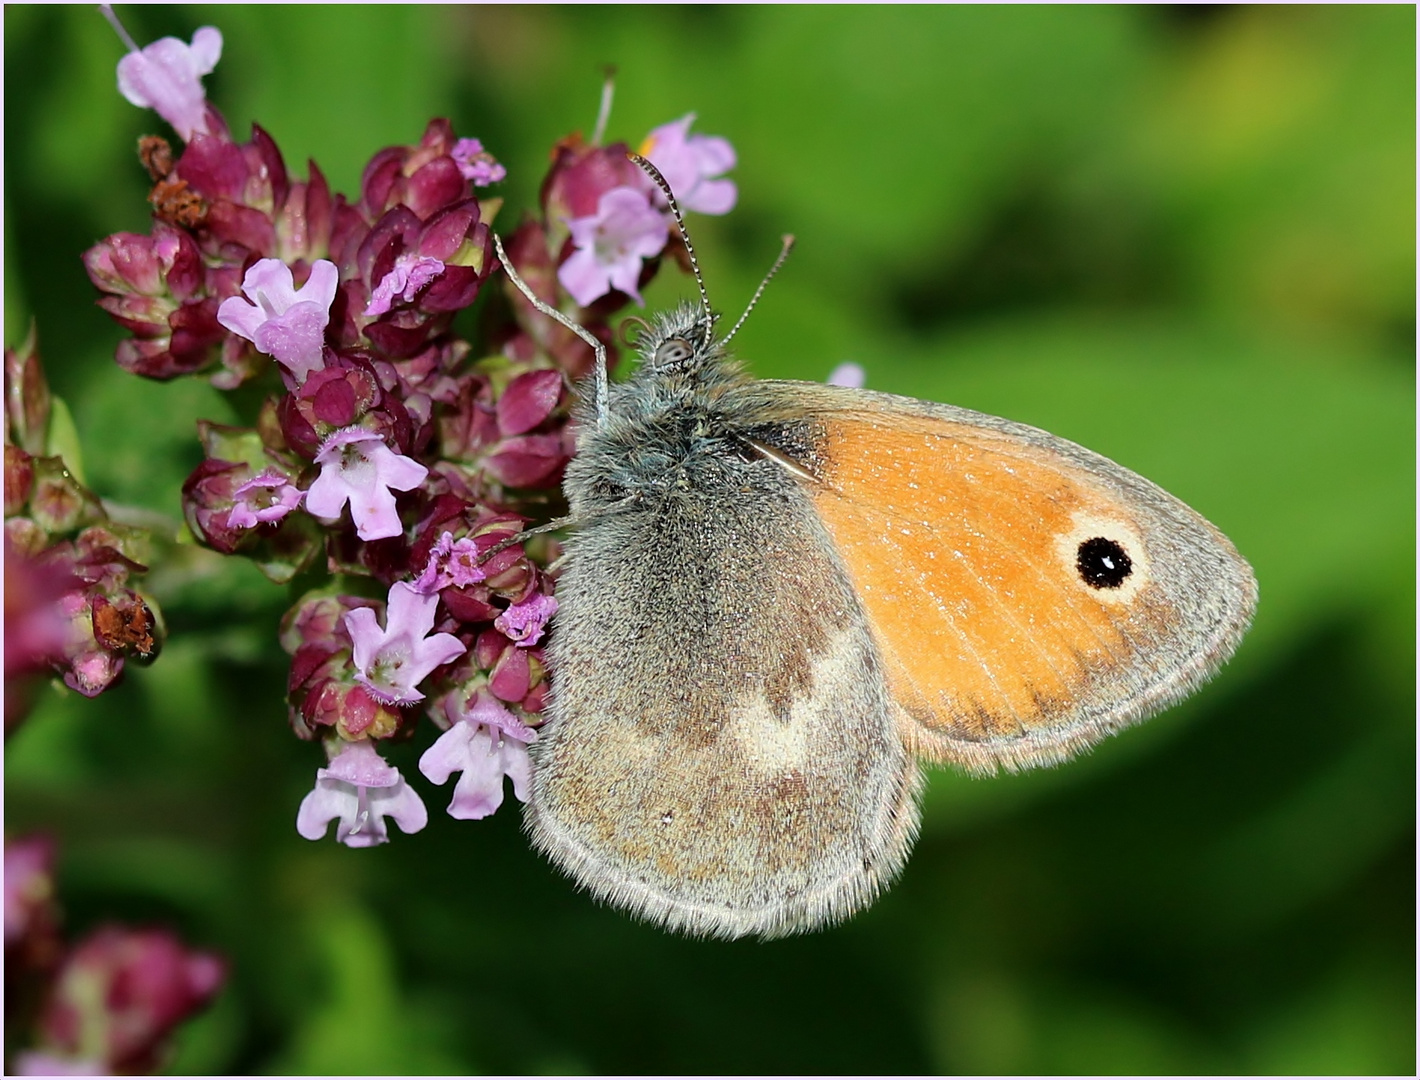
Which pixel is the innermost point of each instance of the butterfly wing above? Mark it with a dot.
(722, 754)
(1027, 596)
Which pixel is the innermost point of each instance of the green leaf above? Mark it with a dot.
(62, 438)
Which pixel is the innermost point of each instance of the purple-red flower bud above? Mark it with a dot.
(303, 225)
(208, 496)
(19, 479)
(58, 502)
(27, 401)
(87, 666)
(351, 709)
(529, 400)
(525, 461)
(423, 177)
(120, 993)
(190, 341)
(320, 620)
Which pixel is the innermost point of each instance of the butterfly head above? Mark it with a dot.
(679, 340)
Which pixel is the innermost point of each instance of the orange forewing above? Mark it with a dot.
(959, 541)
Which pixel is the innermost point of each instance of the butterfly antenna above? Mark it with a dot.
(552, 313)
(783, 254)
(655, 174)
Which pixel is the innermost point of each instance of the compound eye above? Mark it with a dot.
(672, 352)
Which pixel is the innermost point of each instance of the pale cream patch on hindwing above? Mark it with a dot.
(777, 742)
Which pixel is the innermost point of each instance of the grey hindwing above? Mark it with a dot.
(720, 755)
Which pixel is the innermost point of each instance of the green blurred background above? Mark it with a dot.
(1182, 237)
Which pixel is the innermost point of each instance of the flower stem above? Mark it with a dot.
(604, 109)
(108, 13)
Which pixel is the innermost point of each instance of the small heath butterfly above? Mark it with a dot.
(779, 597)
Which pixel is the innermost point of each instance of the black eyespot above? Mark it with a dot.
(672, 352)
(1103, 563)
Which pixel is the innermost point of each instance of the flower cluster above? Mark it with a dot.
(70, 607)
(105, 1005)
(388, 451)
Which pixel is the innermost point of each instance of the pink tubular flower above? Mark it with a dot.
(361, 790)
(410, 274)
(281, 320)
(848, 374)
(523, 622)
(391, 662)
(167, 76)
(357, 466)
(476, 163)
(486, 743)
(451, 562)
(693, 165)
(265, 498)
(611, 244)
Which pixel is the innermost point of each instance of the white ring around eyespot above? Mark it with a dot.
(1086, 525)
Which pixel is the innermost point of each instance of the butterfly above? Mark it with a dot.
(779, 598)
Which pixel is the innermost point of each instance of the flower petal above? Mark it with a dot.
(166, 77)
(409, 612)
(395, 470)
(393, 661)
(295, 338)
(523, 622)
(712, 197)
(713, 155)
(479, 791)
(327, 801)
(326, 496)
(320, 287)
(518, 766)
(44, 1063)
(360, 764)
(848, 374)
(206, 49)
(270, 286)
(365, 635)
(447, 755)
(401, 803)
(366, 829)
(583, 278)
(241, 317)
(375, 514)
